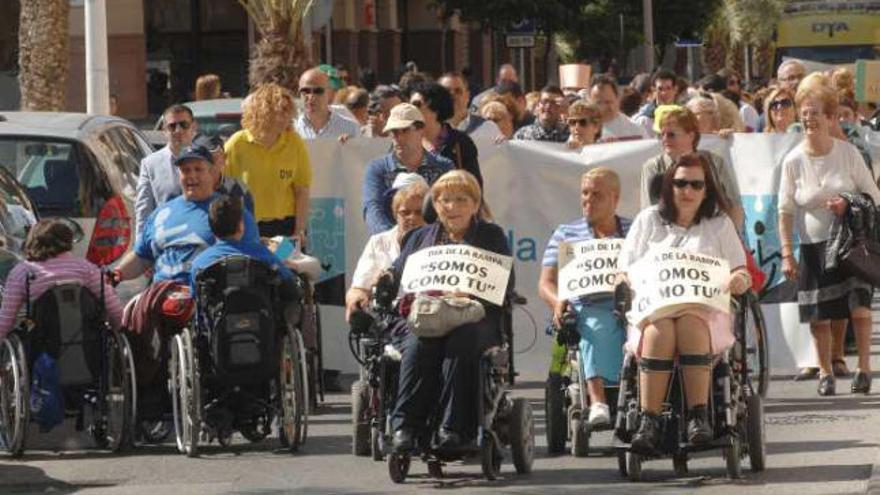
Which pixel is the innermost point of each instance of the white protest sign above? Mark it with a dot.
(668, 279)
(587, 267)
(458, 267)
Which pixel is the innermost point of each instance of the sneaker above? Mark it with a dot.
(647, 439)
(699, 431)
(600, 414)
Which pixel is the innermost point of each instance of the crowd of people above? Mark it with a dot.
(200, 198)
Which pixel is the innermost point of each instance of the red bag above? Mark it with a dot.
(758, 275)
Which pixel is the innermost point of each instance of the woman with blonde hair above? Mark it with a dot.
(779, 111)
(272, 160)
(584, 124)
(207, 87)
(815, 175)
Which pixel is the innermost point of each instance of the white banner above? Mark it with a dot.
(458, 268)
(670, 279)
(532, 188)
(587, 267)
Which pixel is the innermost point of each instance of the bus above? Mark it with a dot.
(829, 32)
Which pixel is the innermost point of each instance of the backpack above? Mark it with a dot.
(46, 401)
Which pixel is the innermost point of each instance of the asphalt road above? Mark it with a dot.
(816, 445)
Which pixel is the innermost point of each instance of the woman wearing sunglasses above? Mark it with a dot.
(779, 111)
(679, 132)
(814, 175)
(692, 215)
(584, 124)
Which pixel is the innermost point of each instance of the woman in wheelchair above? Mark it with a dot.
(48, 262)
(691, 215)
(446, 369)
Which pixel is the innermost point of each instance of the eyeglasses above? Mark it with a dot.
(582, 122)
(183, 125)
(780, 104)
(696, 185)
(317, 91)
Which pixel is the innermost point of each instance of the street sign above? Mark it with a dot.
(520, 41)
(525, 27)
(688, 43)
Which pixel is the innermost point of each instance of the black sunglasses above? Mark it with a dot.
(183, 124)
(779, 104)
(696, 185)
(582, 122)
(311, 91)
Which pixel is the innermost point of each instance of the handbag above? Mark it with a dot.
(862, 260)
(435, 316)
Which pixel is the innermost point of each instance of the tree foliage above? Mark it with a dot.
(43, 55)
(280, 55)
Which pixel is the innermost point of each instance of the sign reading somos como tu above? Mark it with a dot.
(587, 267)
(458, 268)
(668, 280)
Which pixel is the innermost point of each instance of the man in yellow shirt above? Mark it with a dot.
(272, 160)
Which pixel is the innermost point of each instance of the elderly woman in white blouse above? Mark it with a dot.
(692, 215)
(383, 248)
(814, 174)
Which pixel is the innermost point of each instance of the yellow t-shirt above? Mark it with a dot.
(270, 173)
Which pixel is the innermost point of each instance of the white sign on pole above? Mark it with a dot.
(587, 267)
(670, 279)
(458, 268)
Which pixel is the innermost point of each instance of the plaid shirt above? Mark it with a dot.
(536, 132)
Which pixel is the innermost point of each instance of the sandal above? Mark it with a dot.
(839, 368)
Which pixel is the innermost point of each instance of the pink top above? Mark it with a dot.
(62, 268)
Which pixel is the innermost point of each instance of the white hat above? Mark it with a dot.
(402, 116)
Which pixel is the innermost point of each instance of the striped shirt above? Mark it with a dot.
(336, 126)
(47, 274)
(577, 231)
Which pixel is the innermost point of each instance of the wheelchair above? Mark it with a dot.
(241, 364)
(506, 423)
(94, 363)
(373, 394)
(566, 401)
(736, 409)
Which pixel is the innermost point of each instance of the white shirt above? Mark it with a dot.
(750, 116)
(379, 253)
(487, 130)
(714, 236)
(646, 122)
(807, 182)
(336, 126)
(622, 128)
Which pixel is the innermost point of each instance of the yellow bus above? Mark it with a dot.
(831, 32)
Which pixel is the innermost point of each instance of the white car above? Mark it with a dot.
(81, 167)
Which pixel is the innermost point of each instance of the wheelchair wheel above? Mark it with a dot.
(293, 395)
(580, 436)
(360, 396)
(128, 361)
(554, 414)
(375, 445)
(185, 397)
(398, 467)
(732, 457)
(14, 394)
(490, 458)
(257, 430)
(756, 352)
(522, 436)
(633, 466)
(756, 433)
(111, 423)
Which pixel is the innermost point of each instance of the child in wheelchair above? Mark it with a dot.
(71, 322)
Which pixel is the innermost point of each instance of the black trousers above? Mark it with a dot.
(447, 368)
(283, 227)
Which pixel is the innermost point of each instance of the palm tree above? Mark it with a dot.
(739, 24)
(280, 55)
(43, 55)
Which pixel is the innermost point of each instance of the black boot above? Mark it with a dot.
(402, 442)
(698, 428)
(647, 439)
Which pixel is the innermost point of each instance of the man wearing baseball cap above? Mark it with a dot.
(405, 126)
(178, 230)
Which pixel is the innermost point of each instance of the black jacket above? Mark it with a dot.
(859, 221)
(460, 148)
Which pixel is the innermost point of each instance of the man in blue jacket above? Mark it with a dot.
(405, 124)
